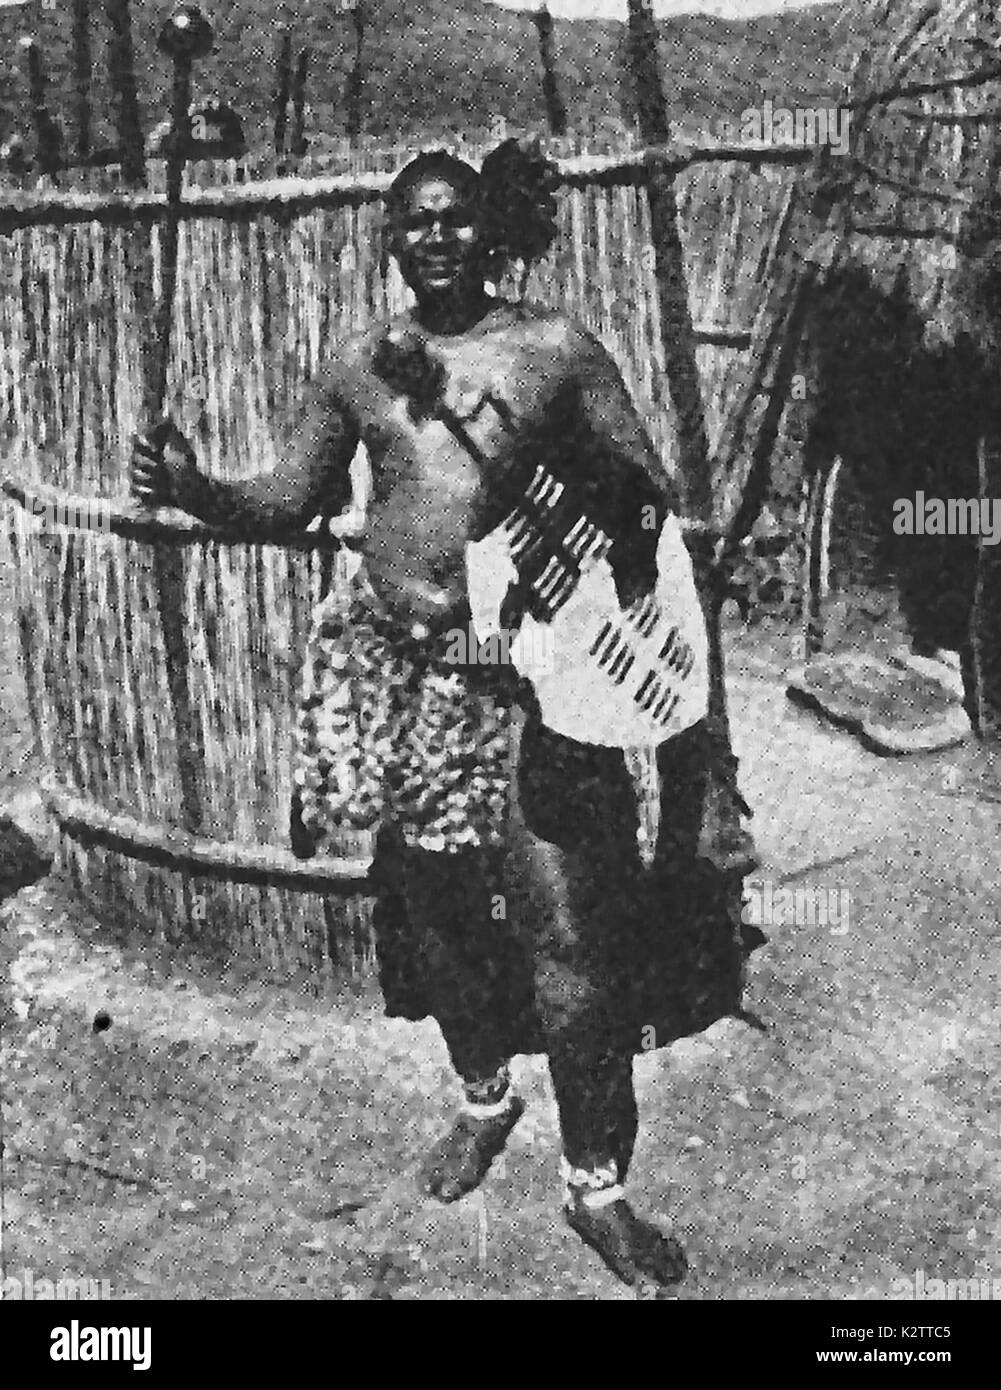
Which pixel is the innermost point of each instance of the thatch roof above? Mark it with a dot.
(924, 117)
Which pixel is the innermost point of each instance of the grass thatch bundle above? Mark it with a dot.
(903, 329)
(925, 100)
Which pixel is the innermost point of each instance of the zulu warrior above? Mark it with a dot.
(537, 801)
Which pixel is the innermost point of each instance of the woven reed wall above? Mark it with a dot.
(260, 307)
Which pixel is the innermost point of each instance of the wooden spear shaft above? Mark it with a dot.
(167, 566)
(167, 559)
(171, 226)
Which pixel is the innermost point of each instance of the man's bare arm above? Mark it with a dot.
(313, 476)
(630, 470)
(628, 491)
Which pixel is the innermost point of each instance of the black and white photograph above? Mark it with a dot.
(500, 662)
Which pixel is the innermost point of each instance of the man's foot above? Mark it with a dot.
(460, 1161)
(633, 1249)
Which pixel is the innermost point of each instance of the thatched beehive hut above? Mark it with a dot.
(900, 336)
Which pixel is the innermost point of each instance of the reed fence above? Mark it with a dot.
(272, 275)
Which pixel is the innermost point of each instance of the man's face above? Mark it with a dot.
(436, 239)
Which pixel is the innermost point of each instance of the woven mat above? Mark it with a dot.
(890, 707)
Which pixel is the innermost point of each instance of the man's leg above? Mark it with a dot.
(454, 902)
(449, 790)
(592, 1076)
(576, 897)
(599, 1122)
(597, 1107)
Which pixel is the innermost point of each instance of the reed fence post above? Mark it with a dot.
(48, 138)
(775, 345)
(685, 389)
(122, 63)
(283, 86)
(82, 72)
(355, 80)
(556, 111)
(984, 660)
(299, 143)
(981, 654)
(677, 329)
(982, 647)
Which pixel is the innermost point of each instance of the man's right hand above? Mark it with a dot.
(163, 470)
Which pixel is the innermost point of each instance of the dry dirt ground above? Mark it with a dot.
(233, 1139)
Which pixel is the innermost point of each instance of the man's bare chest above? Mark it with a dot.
(480, 397)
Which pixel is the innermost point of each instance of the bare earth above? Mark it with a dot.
(202, 1145)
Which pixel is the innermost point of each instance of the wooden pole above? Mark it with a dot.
(355, 80)
(822, 490)
(677, 331)
(82, 76)
(167, 562)
(48, 141)
(722, 838)
(186, 35)
(644, 66)
(981, 649)
(180, 127)
(283, 81)
(775, 347)
(138, 248)
(92, 824)
(299, 144)
(983, 659)
(124, 516)
(284, 198)
(122, 62)
(556, 111)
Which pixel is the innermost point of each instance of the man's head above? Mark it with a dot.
(435, 227)
(452, 228)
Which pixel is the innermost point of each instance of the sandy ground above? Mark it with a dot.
(204, 1143)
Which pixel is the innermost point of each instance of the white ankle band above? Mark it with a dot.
(589, 1179)
(488, 1112)
(594, 1201)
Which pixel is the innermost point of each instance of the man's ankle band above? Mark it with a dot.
(595, 1201)
(488, 1112)
(589, 1179)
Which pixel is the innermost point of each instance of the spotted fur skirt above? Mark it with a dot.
(388, 732)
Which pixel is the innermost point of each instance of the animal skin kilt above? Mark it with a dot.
(515, 900)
